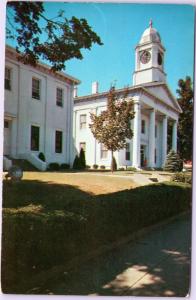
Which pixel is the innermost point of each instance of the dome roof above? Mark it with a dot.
(150, 35)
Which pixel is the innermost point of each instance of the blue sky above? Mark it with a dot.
(120, 26)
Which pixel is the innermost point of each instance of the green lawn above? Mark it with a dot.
(47, 224)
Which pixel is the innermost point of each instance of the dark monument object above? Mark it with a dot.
(15, 173)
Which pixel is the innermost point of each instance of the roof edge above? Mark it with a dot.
(45, 66)
(100, 95)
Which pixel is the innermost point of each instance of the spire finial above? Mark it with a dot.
(150, 23)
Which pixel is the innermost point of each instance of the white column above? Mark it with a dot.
(174, 136)
(164, 140)
(136, 135)
(151, 148)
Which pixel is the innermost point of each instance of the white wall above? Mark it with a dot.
(93, 148)
(26, 111)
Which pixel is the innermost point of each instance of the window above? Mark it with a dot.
(104, 151)
(36, 88)
(7, 79)
(155, 130)
(59, 97)
(155, 155)
(34, 138)
(83, 146)
(58, 141)
(6, 124)
(82, 121)
(143, 129)
(127, 155)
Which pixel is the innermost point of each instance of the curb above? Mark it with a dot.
(58, 271)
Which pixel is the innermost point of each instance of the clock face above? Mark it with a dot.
(145, 57)
(160, 59)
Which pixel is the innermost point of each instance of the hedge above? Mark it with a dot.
(38, 240)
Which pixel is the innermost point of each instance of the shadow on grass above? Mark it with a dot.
(47, 224)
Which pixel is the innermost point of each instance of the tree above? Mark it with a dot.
(38, 37)
(112, 127)
(76, 163)
(185, 123)
(173, 162)
(82, 159)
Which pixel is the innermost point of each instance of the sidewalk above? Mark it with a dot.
(137, 177)
(157, 264)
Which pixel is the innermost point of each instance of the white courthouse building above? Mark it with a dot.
(154, 105)
(38, 113)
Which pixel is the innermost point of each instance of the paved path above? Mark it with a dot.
(138, 178)
(156, 264)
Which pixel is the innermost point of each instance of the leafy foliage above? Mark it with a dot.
(54, 166)
(65, 38)
(42, 156)
(182, 177)
(185, 124)
(64, 166)
(59, 223)
(112, 127)
(173, 162)
(76, 163)
(102, 167)
(82, 159)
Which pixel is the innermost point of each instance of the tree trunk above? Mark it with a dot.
(112, 163)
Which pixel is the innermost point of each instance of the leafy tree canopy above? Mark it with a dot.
(64, 38)
(185, 124)
(112, 127)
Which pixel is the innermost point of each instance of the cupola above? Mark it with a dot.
(149, 58)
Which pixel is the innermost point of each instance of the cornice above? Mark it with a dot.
(104, 94)
(13, 55)
(143, 89)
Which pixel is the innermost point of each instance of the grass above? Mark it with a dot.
(47, 224)
(92, 183)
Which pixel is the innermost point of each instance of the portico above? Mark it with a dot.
(151, 146)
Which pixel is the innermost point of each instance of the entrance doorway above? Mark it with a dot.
(7, 137)
(143, 161)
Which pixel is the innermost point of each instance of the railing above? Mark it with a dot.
(35, 161)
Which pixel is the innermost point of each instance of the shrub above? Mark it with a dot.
(64, 166)
(82, 159)
(131, 169)
(88, 167)
(41, 156)
(95, 166)
(121, 169)
(102, 167)
(54, 166)
(173, 162)
(76, 163)
(114, 164)
(49, 232)
(182, 177)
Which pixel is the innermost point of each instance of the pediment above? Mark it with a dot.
(162, 91)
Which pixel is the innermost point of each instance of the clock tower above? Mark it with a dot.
(149, 58)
